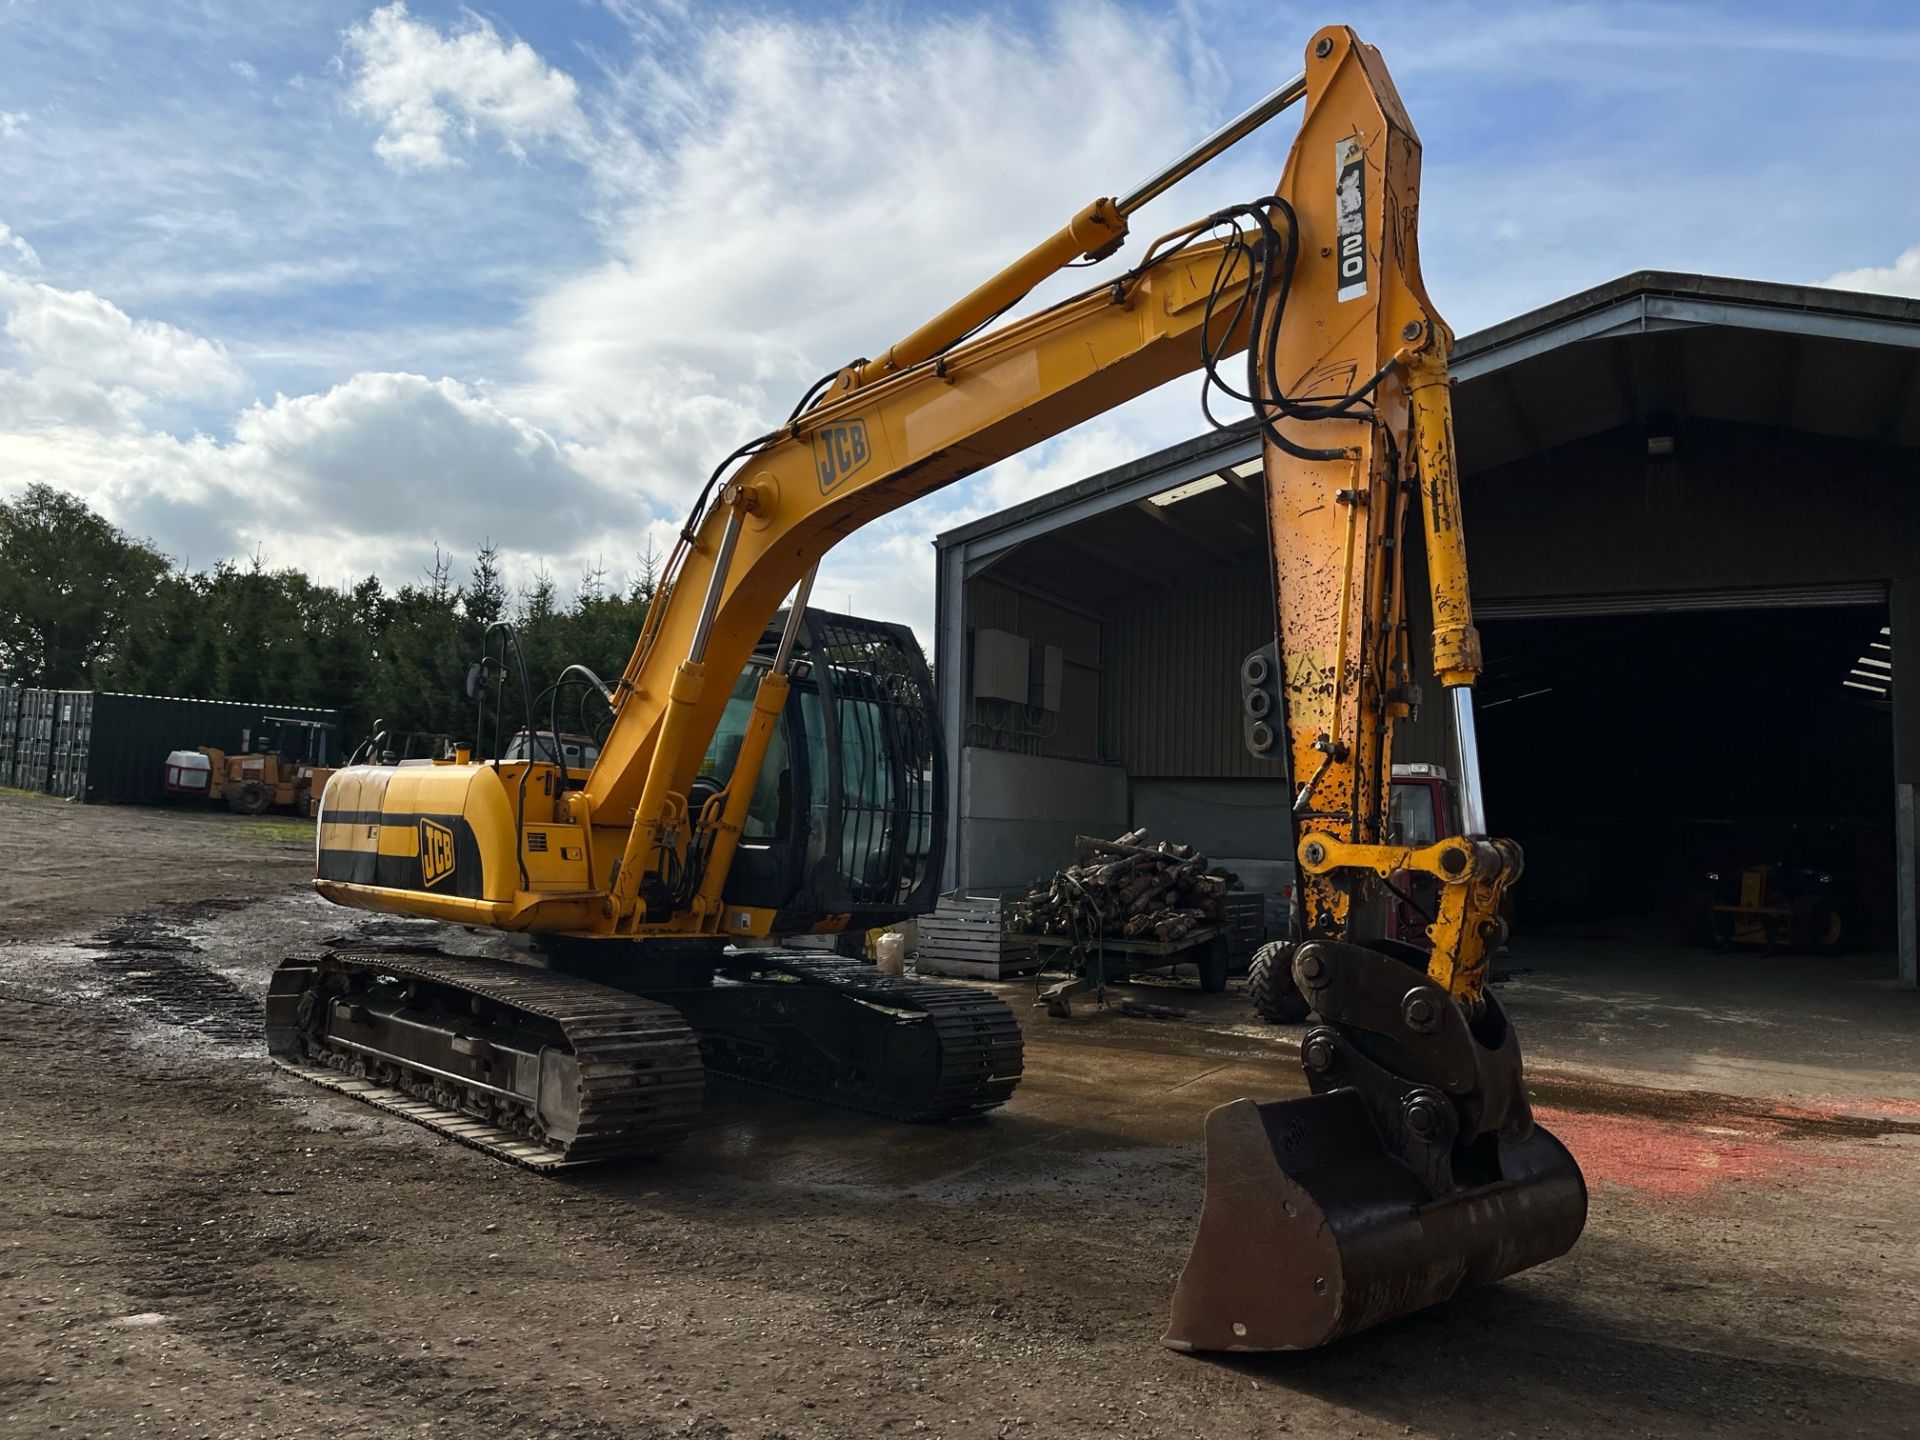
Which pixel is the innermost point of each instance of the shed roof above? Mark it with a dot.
(1650, 349)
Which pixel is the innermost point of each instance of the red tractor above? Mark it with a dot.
(1423, 811)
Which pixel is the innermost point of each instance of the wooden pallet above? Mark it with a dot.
(966, 937)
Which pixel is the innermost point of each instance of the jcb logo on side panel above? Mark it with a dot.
(436, 853)
(840, 451)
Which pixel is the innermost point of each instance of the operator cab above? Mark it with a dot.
(845, 816)
(295, 740)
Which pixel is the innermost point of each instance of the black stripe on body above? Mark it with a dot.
(358, 866)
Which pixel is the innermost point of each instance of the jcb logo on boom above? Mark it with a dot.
(436, 853)
(840, 451)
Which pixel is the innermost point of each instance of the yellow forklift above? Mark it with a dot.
(282, 766)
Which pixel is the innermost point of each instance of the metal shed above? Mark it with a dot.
(1692, 517)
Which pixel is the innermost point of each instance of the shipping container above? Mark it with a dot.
(110, 748)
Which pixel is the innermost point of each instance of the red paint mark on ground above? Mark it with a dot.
(1685, 1160)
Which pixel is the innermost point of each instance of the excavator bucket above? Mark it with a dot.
(1414, 1172)
(1311, 1230)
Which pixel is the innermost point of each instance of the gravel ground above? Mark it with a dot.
(197, 1245)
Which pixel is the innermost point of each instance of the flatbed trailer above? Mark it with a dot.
(1104, 961)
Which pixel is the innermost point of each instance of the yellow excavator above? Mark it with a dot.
(773, 772)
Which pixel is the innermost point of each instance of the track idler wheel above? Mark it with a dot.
(1414, 1171)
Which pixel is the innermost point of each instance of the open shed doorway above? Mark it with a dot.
(1636, 755)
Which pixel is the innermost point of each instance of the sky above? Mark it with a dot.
(338, 284)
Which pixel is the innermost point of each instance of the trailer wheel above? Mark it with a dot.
(1212, 964)
(1276, 999)
(249, 797)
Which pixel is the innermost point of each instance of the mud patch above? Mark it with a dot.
(150, 961)
(1867, 1119)
(203, 1261)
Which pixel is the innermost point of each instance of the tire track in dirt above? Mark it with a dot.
(149, 959)
(204, 1254)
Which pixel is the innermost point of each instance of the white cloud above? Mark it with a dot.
(20, 248)
(244, 69)
(276, 277)
(423, 86)
(404, 452)
(11, 122)
(1902, 277)
(819, 188)
(361, 478)
(832, 186)
(79, 334)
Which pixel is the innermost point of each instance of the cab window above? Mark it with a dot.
(1411, 816)
(773, 787)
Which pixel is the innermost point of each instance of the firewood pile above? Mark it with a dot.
(1124, 889)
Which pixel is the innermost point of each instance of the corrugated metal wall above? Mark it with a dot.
(12, 698)
(1174, 660)
(1169, 706)
(38, 734)
(1074, 732)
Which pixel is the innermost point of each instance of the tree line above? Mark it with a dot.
(84, 606)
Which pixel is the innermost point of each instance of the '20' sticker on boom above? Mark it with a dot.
(840, 451)
(1350, 218)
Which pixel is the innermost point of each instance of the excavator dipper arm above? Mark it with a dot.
(1414, 1168)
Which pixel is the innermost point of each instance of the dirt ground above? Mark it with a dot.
(197, 1245)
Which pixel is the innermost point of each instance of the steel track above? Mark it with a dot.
(959, 1049)
(976, 1037)
(640, 1072)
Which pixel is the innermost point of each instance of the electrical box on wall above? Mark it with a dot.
(1000, 666)
(1048, 666)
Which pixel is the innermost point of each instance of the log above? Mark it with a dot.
(1127, 887)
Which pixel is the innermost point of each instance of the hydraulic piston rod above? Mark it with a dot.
(1227, 136)
(796, 611)
(1473, 804)
(716, 587)
(1096, 232)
